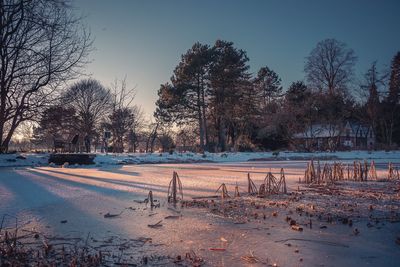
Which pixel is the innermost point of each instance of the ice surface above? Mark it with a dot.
(42, 197)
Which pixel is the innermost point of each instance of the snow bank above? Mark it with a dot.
(23, 160)
(28, 159)
(144, 158)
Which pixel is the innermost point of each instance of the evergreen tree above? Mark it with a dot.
(169, 104)
(228, 72)
(394, 84)
(268, 84)
(297, 94)
(372, 81)
(188, 90)
(299, 106)
(191, 76)
(391, 105)
(56, 123)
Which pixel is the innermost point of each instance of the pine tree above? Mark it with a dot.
(392, 106)
(372, 81)
(394, 84)
(268, 84)
(184, 101)
(170, 106)
(191, 76)
(56, 123)
(298, 104)
(297, 94)
(228, 73)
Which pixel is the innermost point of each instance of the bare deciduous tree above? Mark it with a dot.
(42, 45)
(151, 136)
(136, 127)
(329, 66)
(91, 101)
(125, 118)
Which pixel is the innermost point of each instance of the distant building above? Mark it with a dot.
(351, 135)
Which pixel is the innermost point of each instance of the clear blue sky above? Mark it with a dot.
(144, 39)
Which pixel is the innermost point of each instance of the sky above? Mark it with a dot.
(143, 40)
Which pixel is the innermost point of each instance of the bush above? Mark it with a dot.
(275, 154)
(244, 144)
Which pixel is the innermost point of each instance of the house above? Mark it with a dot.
(349, 135)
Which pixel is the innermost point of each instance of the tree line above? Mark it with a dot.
(88, 110)
(212, 102)
(213, 94)
(44, 46)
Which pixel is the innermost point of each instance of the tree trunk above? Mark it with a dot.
(201, 126)
(6, 141)
(221, 135)
(200, 106)
(206, 135)
(153, 138)
(147, 143)
(3, 148)
(205, 129)
(233, 136)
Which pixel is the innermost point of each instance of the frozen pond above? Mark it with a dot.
(43, 197)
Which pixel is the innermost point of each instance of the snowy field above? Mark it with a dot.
(72, 202)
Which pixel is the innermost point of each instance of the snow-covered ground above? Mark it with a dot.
(73, 202)
(379, 156)
(23, 160)
(12, 160)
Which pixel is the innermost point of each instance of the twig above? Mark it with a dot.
(156, 225)
(329, 243)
